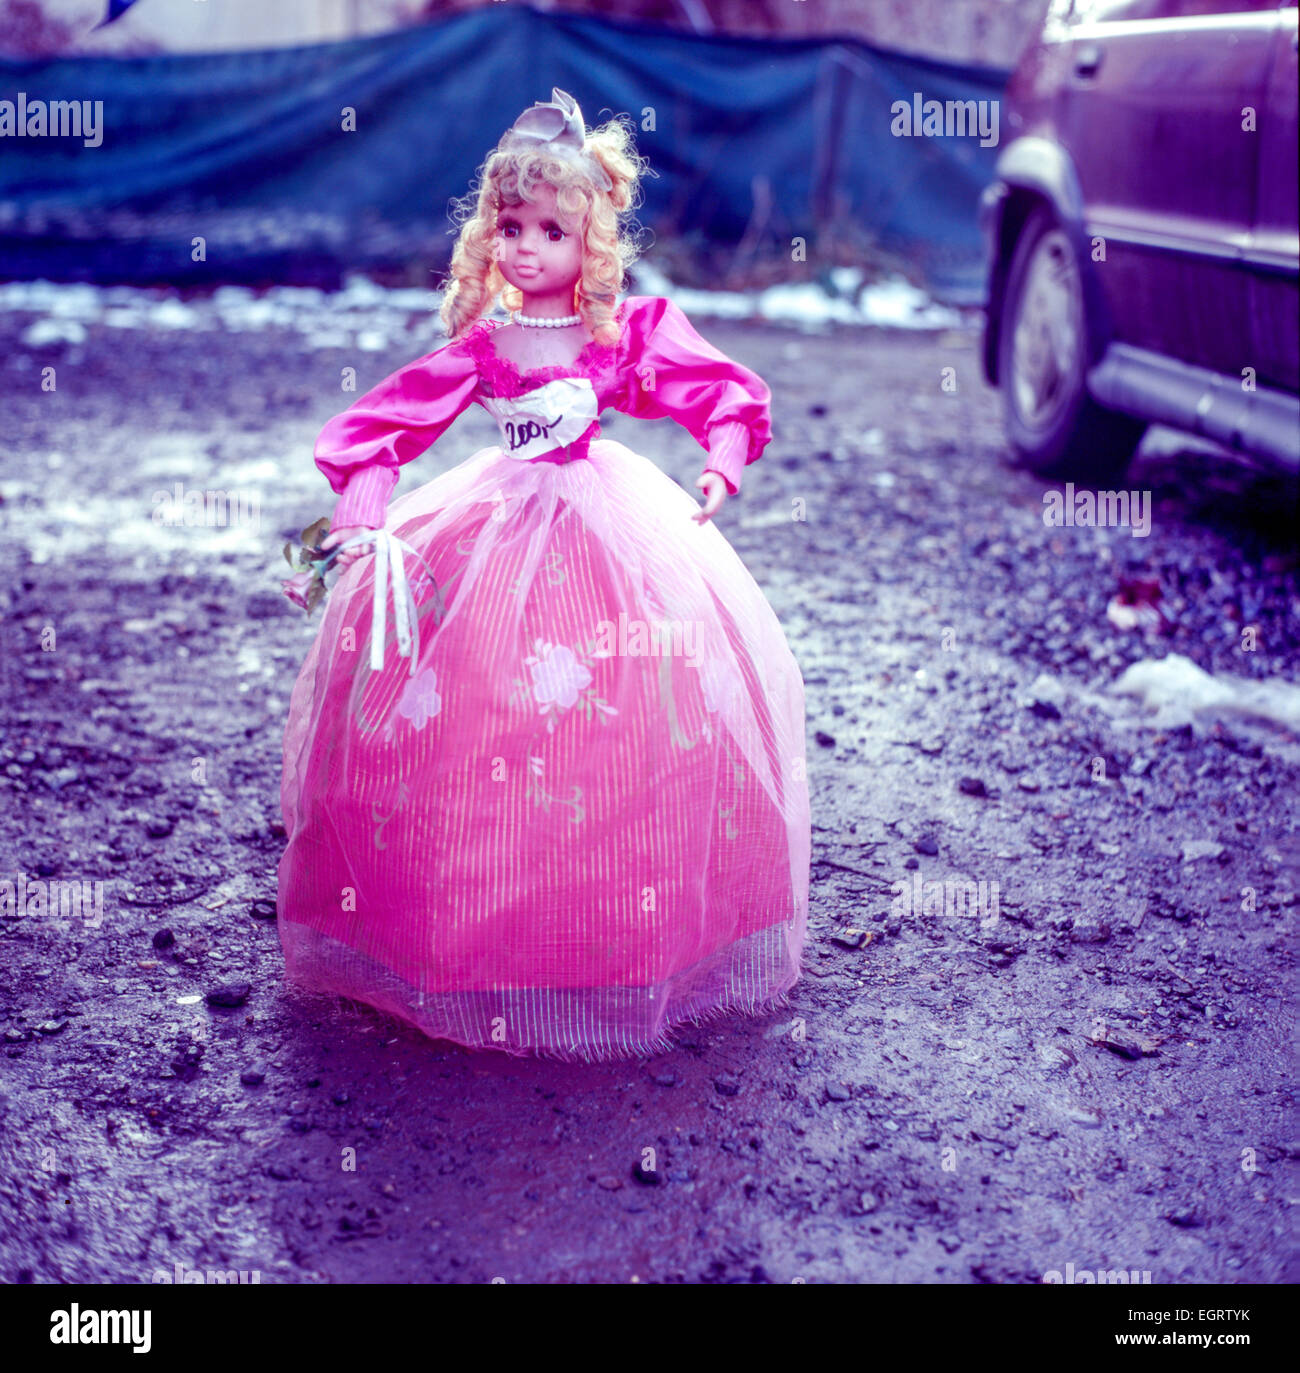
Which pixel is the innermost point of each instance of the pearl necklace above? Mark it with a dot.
(563, 322)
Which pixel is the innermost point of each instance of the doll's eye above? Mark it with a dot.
(509, 230)
(555, 235)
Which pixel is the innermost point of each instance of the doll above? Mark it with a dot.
(564, 811)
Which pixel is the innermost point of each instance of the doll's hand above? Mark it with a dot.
(338, 536)
(714, 486)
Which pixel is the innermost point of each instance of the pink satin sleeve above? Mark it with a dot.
(361, 449)
(673, 373)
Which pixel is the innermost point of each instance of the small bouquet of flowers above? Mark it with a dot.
(306, 588)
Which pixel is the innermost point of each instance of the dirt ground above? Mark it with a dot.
(1099, 1071)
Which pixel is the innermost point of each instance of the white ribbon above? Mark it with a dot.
(389, 563)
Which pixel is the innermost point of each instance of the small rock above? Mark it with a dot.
(610, 1184)
(1129, 1046)
(664, 1077)
(1027, 784)
(869, 1203)
(646, 1177)
(837, 1091)
(1185, 1219)
(727, 1084)
(849, 939)
(927, 844)
(972, 786)
(252, 1077)
(1087, 1120)
(262, 909)
(1200, 848)
(1045, 710)
(186, 1063)
(52, 1027)
(824, 739)
(231, 995)
(163, 939)
(1090, 934)
(159, 828)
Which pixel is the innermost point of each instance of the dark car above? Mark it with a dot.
(1143, 234)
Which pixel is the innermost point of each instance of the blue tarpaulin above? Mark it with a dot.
(240, 166)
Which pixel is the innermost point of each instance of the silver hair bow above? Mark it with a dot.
(557, 124)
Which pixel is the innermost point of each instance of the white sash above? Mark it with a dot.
(390, 569)
(543, 420)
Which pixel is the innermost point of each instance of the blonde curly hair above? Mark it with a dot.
(513, 175)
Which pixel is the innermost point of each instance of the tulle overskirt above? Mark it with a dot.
(582, 818)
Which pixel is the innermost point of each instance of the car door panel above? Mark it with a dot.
(1275, 284)
(1153, 114)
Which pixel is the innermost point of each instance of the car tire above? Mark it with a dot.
(1055, 427)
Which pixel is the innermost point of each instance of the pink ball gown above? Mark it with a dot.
(578, 816)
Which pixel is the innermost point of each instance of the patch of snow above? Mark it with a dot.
(366, 315)
(47, 331)
(1178, 692)
(805, 304)
(173, 314)
(248, 660)
(1048, 689)
(897, 304)
(894, 304)
(1194, 849)
(235, 474)
(57, 530)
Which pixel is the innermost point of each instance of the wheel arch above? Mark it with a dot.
(1033, 173)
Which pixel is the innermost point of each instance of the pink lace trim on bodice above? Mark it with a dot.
(501, 377)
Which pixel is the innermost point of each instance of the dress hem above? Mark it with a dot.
(719, 985)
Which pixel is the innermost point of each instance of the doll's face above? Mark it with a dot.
(537, 250)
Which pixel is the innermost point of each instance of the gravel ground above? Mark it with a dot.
(1093, 1067)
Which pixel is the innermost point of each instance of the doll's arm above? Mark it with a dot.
(674, 373)
(729, 452)
(361, 449)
